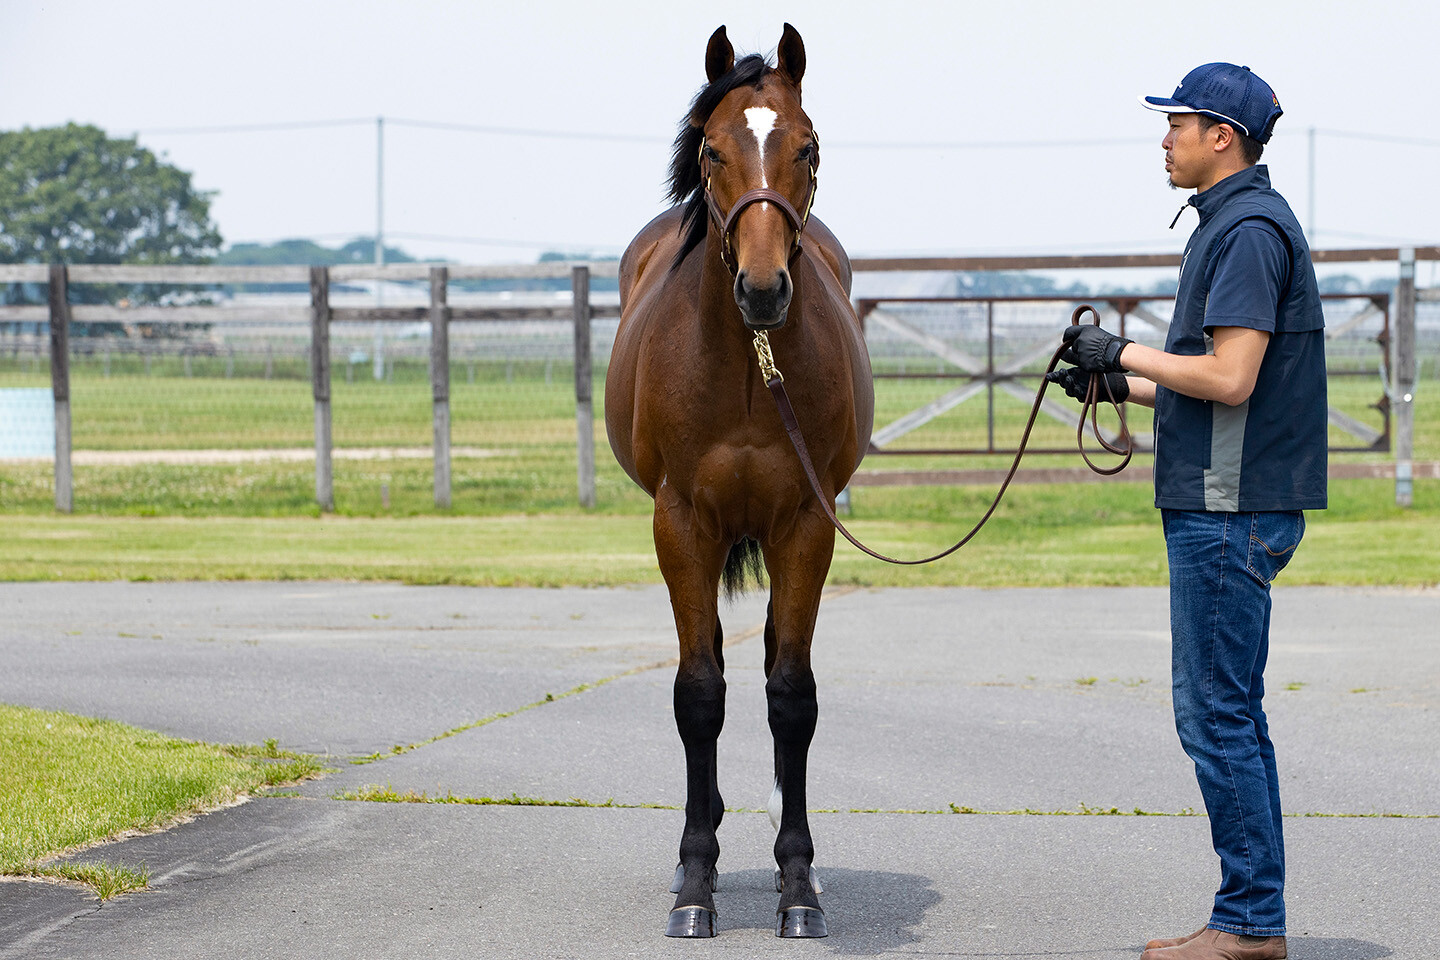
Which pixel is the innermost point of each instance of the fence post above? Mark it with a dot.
(584, 408)
(320, 380)
(1403, 394)
(440, 380)
(60, 384)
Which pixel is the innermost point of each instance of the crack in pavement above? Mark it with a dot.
(386, 795)
(399, 750)
(21, 948)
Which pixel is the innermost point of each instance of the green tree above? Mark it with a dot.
(72, 194)
(310, 253)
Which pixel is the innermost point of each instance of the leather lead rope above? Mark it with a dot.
(776, 383)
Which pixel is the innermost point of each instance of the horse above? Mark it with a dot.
(690, 420)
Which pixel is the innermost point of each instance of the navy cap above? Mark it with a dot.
(1228, 93)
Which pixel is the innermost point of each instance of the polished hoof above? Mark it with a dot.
(679, 879)
(780, 882)
(801, 922)
(699, 922)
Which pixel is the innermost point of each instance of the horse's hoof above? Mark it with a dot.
(780, 882)
(694, 922)
(679, 879)
(801, 922)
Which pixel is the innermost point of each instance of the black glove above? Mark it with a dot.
(1076, 382)
(1092, 349)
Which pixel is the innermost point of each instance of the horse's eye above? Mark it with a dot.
(806, 152)
(712, 154)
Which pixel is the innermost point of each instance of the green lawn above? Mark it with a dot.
(68, 781)
(525, 411)
(1043, 535)
(514, 517)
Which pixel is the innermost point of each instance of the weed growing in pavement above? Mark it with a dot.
(105, 879)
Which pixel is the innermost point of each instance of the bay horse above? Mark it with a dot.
(690, 420)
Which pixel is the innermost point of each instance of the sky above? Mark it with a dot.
(946, 128)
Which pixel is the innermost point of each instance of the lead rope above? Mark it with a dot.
(776, 382)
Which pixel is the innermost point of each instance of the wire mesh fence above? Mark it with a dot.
(217, 414)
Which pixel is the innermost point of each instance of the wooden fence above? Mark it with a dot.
(59, 313)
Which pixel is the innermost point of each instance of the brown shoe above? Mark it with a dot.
(1218, 945)
(1173, 941)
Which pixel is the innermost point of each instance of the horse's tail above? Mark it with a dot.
(744, 559)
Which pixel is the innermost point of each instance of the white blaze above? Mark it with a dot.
(761, 121)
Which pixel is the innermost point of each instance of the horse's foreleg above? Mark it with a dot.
(691, 567)
(797, 574)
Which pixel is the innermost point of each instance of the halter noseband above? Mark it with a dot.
(726, 221)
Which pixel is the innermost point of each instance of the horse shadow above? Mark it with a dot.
(869, 911)
(875, 911)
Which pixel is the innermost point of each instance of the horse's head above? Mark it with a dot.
(755, 157)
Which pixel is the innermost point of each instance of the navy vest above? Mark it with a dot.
(1268, 453)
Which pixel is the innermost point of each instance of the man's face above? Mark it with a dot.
(1189, 153)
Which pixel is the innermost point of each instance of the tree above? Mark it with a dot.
(72, 194)
(310, 253)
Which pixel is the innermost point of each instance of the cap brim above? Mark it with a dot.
(1166, 105)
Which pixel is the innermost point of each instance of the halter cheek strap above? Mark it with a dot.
(727, 221)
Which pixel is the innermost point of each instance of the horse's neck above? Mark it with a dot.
(718, 309)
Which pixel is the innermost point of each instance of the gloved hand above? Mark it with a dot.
(1076, 382)
(1092, 349)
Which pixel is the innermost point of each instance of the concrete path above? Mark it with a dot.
(1015, 703)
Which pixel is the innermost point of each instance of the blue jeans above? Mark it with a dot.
(1221, 565)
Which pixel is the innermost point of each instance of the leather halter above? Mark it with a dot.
(726, 221)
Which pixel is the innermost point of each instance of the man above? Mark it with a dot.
(1240, 452)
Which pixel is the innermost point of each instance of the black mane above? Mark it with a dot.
(685, 185)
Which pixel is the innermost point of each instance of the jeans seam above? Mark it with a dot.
(1210, 701)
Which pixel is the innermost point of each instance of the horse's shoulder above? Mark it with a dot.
(829, 250)
(654, 246)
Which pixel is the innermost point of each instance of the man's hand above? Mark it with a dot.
(1092, 349)
(1076, 383)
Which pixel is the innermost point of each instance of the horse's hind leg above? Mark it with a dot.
(797, 574)
(691, 565)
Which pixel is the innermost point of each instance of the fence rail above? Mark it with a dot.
(439, 314)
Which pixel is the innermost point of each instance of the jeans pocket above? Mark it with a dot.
(1273, 539)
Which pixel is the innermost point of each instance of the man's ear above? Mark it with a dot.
(1224, 136)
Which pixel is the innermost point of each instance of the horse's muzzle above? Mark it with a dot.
(764, 307)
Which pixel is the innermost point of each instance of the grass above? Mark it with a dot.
(388, 794)
(106, 879)
(1042, 535)
(67, 782)
(514, 519)
(525, 410)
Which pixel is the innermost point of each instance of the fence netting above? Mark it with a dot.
(219, 416)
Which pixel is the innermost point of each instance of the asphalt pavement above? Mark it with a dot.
(979, 775)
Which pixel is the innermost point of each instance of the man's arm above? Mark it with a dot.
(1226, 376)
(1252, 266)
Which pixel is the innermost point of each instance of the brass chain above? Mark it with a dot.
(767, 359)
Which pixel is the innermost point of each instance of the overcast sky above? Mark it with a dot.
(909, 100)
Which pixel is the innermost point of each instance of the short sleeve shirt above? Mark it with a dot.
(1251, 273)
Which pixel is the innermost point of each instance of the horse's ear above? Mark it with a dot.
(719, 55)
(791, 55)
